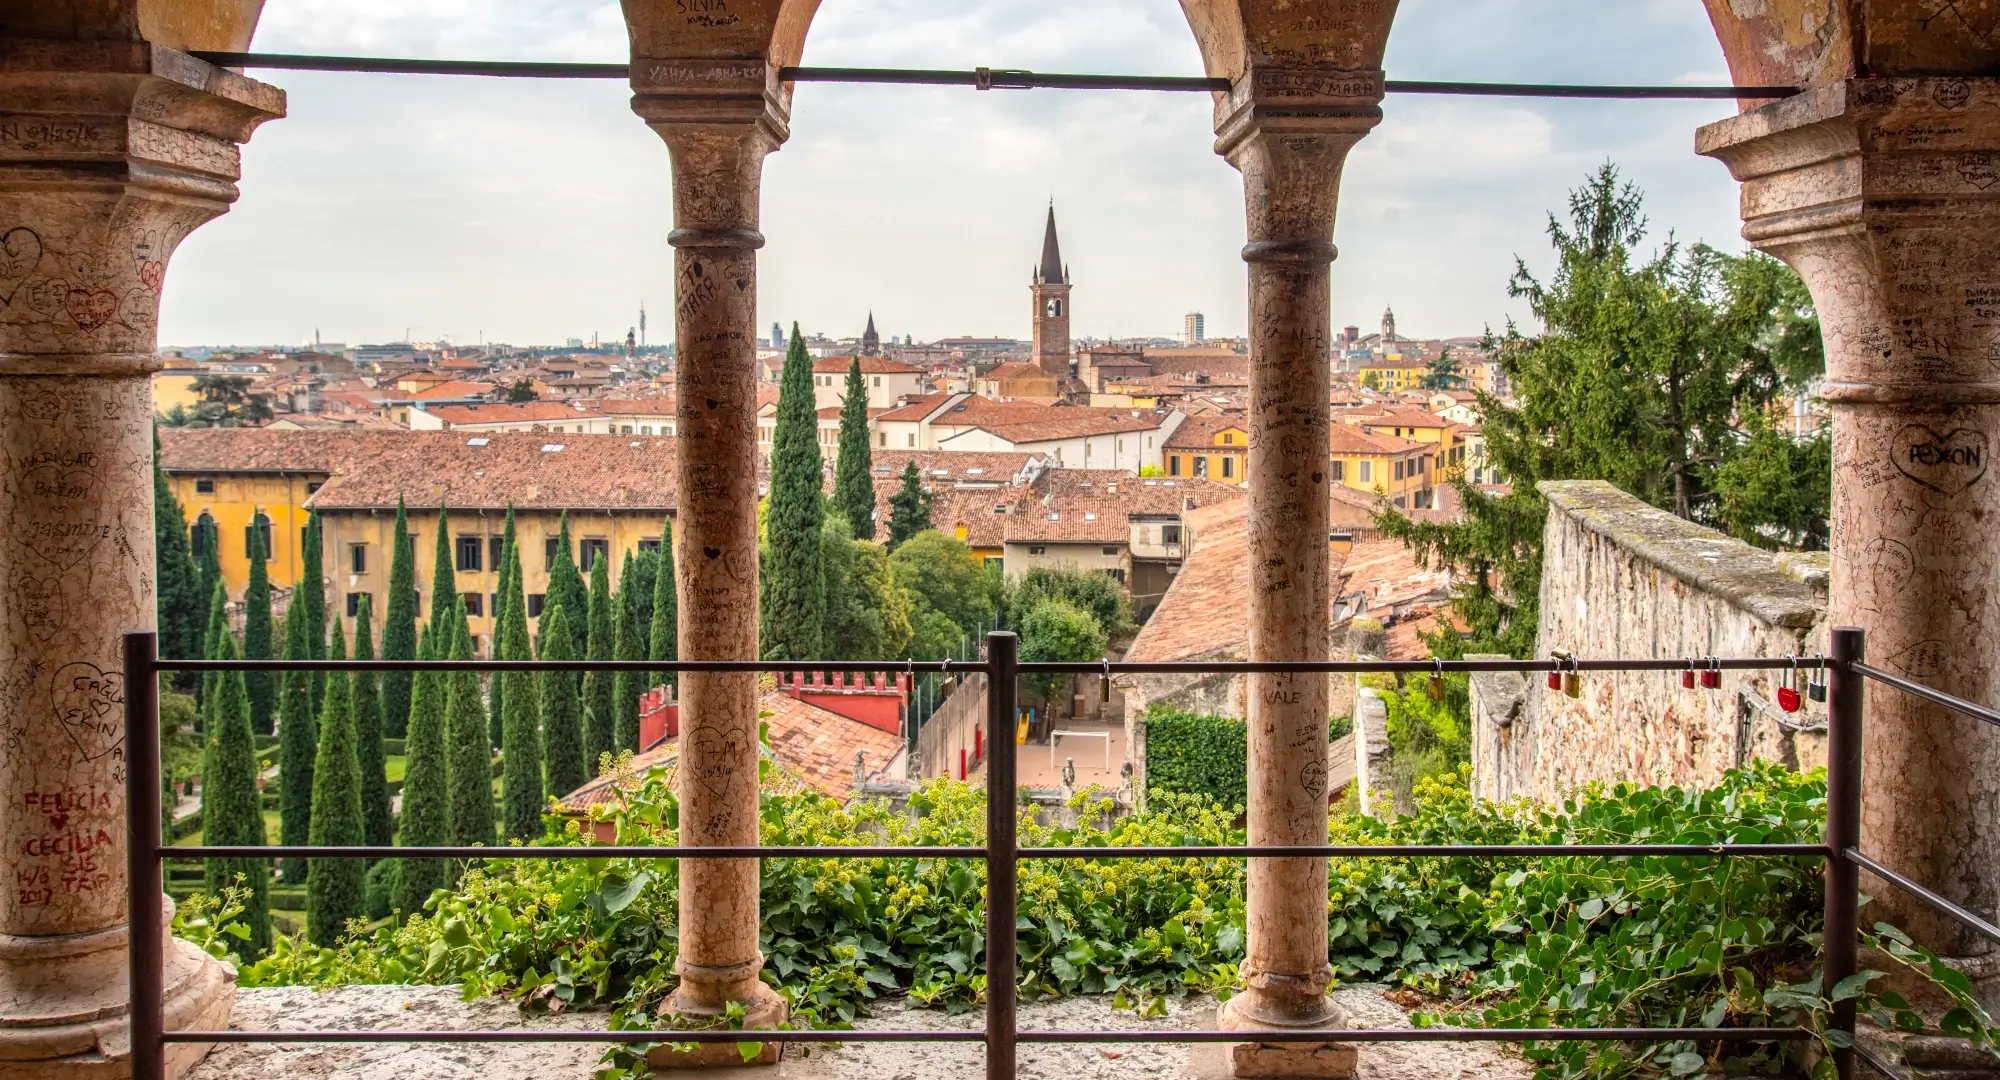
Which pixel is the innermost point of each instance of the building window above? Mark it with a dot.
(204, 487)
(1228, 467)
(357, 558)
(1110, 550)
(535, 600)
(1367, 472)
(1170, 534)
(354, 603)
(1117, 576)
(624, 429)
(594, 548)
(263, 533)
(995, 564)
(644, 429)
(1399, 470)
(1228, 438)
(1200, 466)
(878, 380)
(550, 547)
(1173, 464)
(474, 605)
(913, 439)
(313, 486)
(1037, 550)
(1339, 470)
(649, 543)
(468, 554)
(882, 438)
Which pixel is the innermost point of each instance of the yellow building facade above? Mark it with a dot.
(1392, 374)
(1214, 448)
(234, 500)
(1400, 470)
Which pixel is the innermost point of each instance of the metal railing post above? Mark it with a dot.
(1002, 654)
(1843, 826)
(145, 938)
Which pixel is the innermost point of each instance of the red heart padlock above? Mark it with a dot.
(1788, 698)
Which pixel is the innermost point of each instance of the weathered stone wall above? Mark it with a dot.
(1622, 579)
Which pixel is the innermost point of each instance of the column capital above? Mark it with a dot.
(1297, 100)
(709, 92)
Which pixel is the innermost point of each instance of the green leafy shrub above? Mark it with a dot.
(1190, 753)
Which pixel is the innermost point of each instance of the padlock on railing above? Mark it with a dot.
(1687, 677)
(1555, 673)
(1816, 684)
(1434, 686)
(1572, 680)
(1711, 675)
(1788, 688)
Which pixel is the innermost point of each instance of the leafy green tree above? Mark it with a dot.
(1093, 591)
(261, 686)
(522, 389)
(562, 709)
(1641, 376)
(520, 722)
(470, 768)
(1442, 372)
(298, 745)
(600, 687)
(310, 599)
(366, 695)
(856, 601)
(909, 508)
(504, 611)
(226, 401)
(567, 587)
(941, 574)
(399, 627)
(232, 809)
(1056, 631)
(794, 616)
(336, 888)
(1775, 490)
(178, 589)
(854, 473)
(426, 817)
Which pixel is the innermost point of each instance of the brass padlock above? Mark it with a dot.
(1104, 684)
(1435, 685)
(1573, 680)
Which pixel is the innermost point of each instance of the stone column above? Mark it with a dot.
(1288, 130)
(1884, 194)
(719, 119)
(110, 153)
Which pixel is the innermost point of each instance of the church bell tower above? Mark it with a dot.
(1051, 297)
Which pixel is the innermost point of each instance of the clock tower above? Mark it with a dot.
(1051, 297)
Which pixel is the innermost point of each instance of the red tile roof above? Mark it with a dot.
(1199, 433)
(870, 365)
(551, 412)
(522, 469)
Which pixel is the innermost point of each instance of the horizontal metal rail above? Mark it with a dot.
(980, 78)
(1412, 1035)
(311, 851)
(1936, 697)
(1937, 903)
(1342, 851)
(908, 667)
(1116, 667)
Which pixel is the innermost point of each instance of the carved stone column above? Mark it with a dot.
(719, 118)
(1884, 194)
(1288, 130)
(111, 152)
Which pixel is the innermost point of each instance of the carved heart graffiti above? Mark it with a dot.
(68, 519)
(86, 700)
(91, 308)
(151, 273)
(1947, 464)
(712, 758)
(20, 250)
(39, 605)
(44, 407)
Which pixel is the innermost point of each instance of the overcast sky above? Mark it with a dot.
(531, 211)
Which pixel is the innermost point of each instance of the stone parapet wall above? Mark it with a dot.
(1623, 579)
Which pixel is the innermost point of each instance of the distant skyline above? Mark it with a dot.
(533, 211)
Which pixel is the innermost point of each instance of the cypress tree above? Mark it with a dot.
(566, 586)
(298, 744)
(909, 507)
(336, 888)
(399, 628)
(232, 810)
(178, 588)
(629, 642)
(469, 772)
(599, 687)
(426, 816)
(215, 638)
(312, 586)
(854, 473)
(444, 580)
(562, 708)
(261, 686)
(503, 613)
(521, 788)
(663, 641)
(376, 823)
(796, 614)
(207, 556)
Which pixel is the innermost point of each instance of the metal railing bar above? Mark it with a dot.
(1965, 918)
(304, 851)
(1632, 1034)
(984, 78)
(1409, 667)
(641, 666)
(1937, 697)
(1416, 667)
(1399, 851)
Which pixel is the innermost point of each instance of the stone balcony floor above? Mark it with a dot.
(409, 1007)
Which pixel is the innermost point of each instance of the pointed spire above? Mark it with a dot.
(871, 342)
(1051, 272)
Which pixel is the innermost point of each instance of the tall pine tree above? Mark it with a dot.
(854, 473)
(566, 587)
(510, 597)
(399, 628)
(335, 888)
(521, 790)
(470, 769)
(261, 686)
(629, 637)
(232, 809)
(426, 817)
(599, 687)
(298, 744)
(909, 507)
(312, 589)
(561, 707)
(794, 620)
(179, 589)
(376, 823)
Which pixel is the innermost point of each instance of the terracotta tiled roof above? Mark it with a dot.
(1055, 428)
(821, 745)
(1073, 522)
(452, 391)
(655, 406)
(1199, 432)
(916, 408)
(1096, 505)
(870, 365)
(494, 471)
(1350, 439)
(603, 790)
(551, 412)
(832, 412)
(958, 482)
(1409, 417)
(252, 450)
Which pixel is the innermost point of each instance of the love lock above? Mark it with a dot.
(1435, 685)
(1687, 677)
(1555, 673)
(1572, 680)
(1816, 683)
(1788, 688)
(1711, 676)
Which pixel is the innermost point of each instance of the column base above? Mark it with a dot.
(64, 1008)
(1330, 1060)
(764, 1010)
